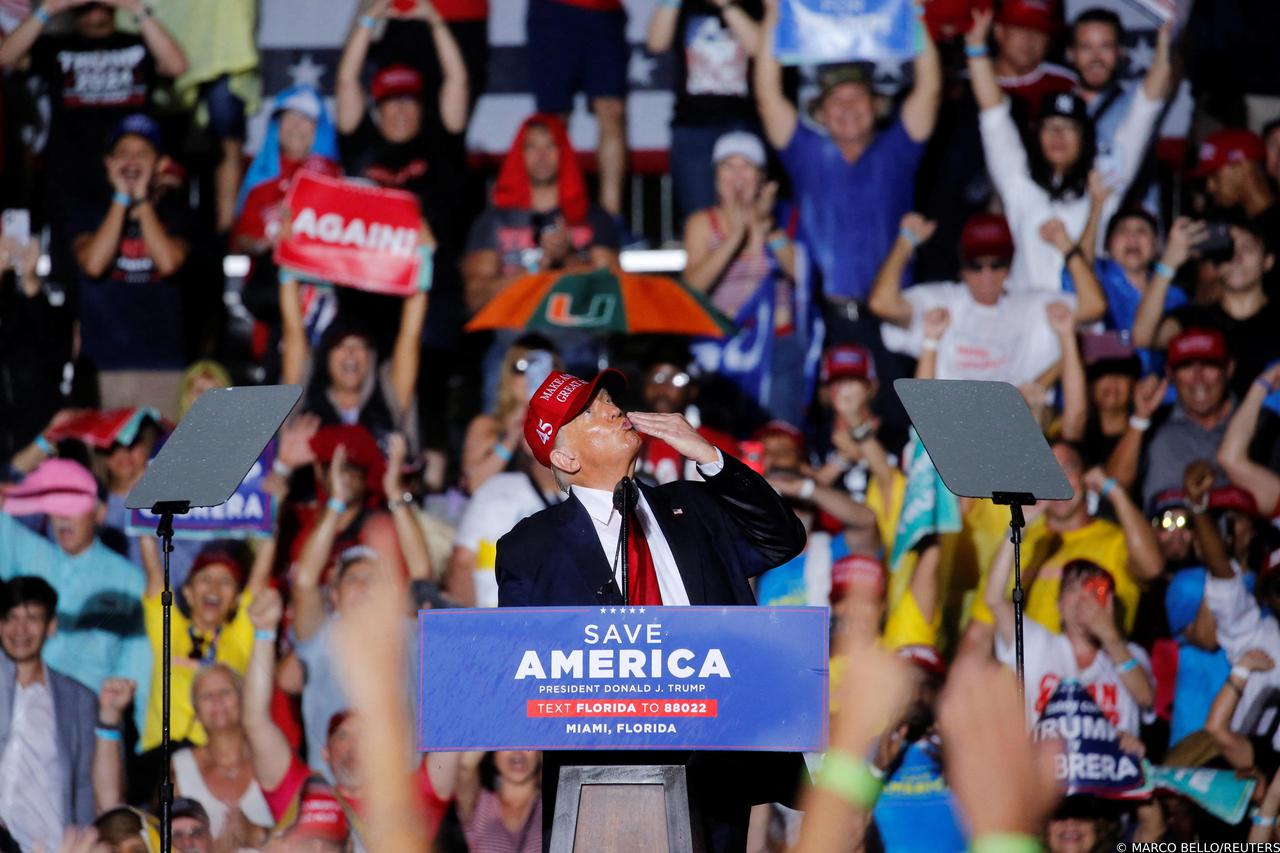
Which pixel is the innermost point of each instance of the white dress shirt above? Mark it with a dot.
(608, 524)
(30, 773)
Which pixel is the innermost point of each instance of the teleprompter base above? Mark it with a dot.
(620, 809)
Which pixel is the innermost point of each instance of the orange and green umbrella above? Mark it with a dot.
(602, 302)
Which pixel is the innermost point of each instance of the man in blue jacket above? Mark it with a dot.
(689, 543)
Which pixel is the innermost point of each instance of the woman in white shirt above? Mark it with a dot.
(1050, 181)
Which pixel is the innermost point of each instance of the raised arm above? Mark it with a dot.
(371, 662)
(1235, 747)
(1145, 560)
(467, 784)
(1197, 480)
(935, 322)
(1123, 462)
(920, 109)
(886, 300)
(260, 572)
(349, 103)
(295, 350)
(1158, 82)
(454, 94)
(776, 112)
(170, 59)
(168, 252)
(835, 502)
(1075, 399)
(96, 251)
(662, 28)
(152, 565)
(1091, 302)
(413, 543)
(15, 46)
(406, 356)
(114, 698)
(1099, 192)
(995, 594)
(1233, 454)
(982, 71)
(268, 748)
(1147, 330)
(308, 597)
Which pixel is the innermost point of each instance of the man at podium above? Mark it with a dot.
(689, 543)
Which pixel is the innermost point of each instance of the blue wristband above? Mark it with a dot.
(976, 51)
(502, 452)
(368, 21)
(41, 14)
(777, 244)
(102, 733)
(426, 267)
(909, 236)
(1127, 666)
(122, 199)
(1161, 268)
(1107, 486)
(264, 634)
(47, 449)
(336, 505)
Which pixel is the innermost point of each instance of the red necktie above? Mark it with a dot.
(642, 576)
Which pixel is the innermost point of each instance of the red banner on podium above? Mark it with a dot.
(350, 234)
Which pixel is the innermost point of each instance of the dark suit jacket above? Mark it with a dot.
(75, 711)
(722, 532)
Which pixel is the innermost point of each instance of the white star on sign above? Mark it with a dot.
(1141, 55)
(640, 68)
(613, 610)
(601, 609)
(641, 609)
(305, 72)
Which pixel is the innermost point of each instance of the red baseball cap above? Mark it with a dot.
(397, 81)
(986, 235)
(1227, 146)
(559, 399)
(1233, 498)
(321, 816)
(1039, 15)
(855, 567)
(1198, 345)
(848, 361)
(926, 657)
(782, 428)
(216, 556)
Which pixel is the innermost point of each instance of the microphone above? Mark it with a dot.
(624, 498)
(624, 495)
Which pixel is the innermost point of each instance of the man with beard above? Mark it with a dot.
(100, 628)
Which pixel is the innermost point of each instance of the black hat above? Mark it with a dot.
(1064, 104)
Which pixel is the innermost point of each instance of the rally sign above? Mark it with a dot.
(1221, 793)
(352, 234)
(102, 429)
(250, 512)
(829, 31)
(731, 678)
(1091, 762)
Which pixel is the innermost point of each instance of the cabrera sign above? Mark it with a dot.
(352, 234)
(740, 678)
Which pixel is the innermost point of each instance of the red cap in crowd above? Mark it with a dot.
(926, 657)
(1039, 15)
(1198, 345)
(1227, 146)
(397, 81)
(848, 361)
(1233, 498)
(362, 450)
(780, 428)
(321, 816)
(558, 400)
(986, 235)
(855, 568)
(218, 557)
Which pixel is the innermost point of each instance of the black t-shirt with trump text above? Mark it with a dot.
(92, 83)
(131, 317)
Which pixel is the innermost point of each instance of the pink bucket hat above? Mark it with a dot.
(56, 487)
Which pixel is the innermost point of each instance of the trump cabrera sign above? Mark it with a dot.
(742, 678)
(351, 234)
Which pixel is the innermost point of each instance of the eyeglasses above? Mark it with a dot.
(1170, 520)
(192, 834)
(978, 265)
(677, 380)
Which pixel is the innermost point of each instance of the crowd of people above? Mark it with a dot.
(1009, 214)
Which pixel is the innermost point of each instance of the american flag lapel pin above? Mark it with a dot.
(677, 511)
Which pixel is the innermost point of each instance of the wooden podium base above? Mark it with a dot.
(619, 809)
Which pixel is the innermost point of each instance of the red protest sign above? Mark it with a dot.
(350, 234)
(101, 429)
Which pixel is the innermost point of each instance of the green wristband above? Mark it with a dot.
(1005, 842)
(850, 779)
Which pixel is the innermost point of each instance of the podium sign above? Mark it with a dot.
(582, 678)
